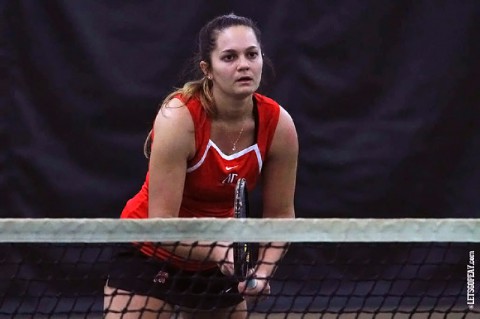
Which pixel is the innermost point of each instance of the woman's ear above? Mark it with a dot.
(204, 68)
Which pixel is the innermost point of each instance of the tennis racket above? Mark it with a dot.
(242, 252)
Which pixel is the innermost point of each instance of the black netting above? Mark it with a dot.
(67, 280)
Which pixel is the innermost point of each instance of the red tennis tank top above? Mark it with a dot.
(211, 174)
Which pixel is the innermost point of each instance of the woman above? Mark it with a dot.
(205, 137)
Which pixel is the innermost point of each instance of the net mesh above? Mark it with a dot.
(334, 268)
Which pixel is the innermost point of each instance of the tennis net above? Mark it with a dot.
(334, 268)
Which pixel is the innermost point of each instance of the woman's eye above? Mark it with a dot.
(252, 55)
(228, 57)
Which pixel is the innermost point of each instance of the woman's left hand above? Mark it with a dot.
(259, 289)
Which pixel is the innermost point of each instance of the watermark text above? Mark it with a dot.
(471, 279)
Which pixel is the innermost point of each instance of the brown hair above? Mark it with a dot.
(201, 88)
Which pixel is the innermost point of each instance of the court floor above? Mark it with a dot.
(311, 316)
(363, 316)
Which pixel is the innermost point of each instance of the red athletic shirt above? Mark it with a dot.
(211, 174)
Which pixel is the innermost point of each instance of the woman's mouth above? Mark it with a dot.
(245, 79)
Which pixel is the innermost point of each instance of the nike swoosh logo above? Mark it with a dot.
(229, 168)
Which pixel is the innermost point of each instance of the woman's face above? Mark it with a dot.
(237, 63)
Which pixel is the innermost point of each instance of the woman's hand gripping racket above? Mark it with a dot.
(242, 252)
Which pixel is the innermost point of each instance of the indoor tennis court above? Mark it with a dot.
(380, 96)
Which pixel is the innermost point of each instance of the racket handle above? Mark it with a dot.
(251, 283)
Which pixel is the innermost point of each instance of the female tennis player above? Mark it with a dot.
(206, 136)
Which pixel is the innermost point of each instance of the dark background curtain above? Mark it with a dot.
(384, 95)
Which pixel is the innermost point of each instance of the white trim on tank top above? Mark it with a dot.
(211, 144)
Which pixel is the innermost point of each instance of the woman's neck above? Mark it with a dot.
(229, 109)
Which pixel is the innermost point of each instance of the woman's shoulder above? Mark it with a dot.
(175, 110)
(186, 100)
(265, 100)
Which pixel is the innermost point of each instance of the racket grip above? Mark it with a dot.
(251, 283)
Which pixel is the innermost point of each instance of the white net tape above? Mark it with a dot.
(251, 230)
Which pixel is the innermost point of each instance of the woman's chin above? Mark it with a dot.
(244, 92)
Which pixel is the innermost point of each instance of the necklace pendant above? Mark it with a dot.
(234, 144)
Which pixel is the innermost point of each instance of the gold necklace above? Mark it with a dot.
(234, 144)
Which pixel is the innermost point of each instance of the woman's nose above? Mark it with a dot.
(243, 63)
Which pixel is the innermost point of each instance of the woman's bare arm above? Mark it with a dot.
(279, 178)
(173, 144)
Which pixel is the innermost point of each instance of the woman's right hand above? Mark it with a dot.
(223, 256)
